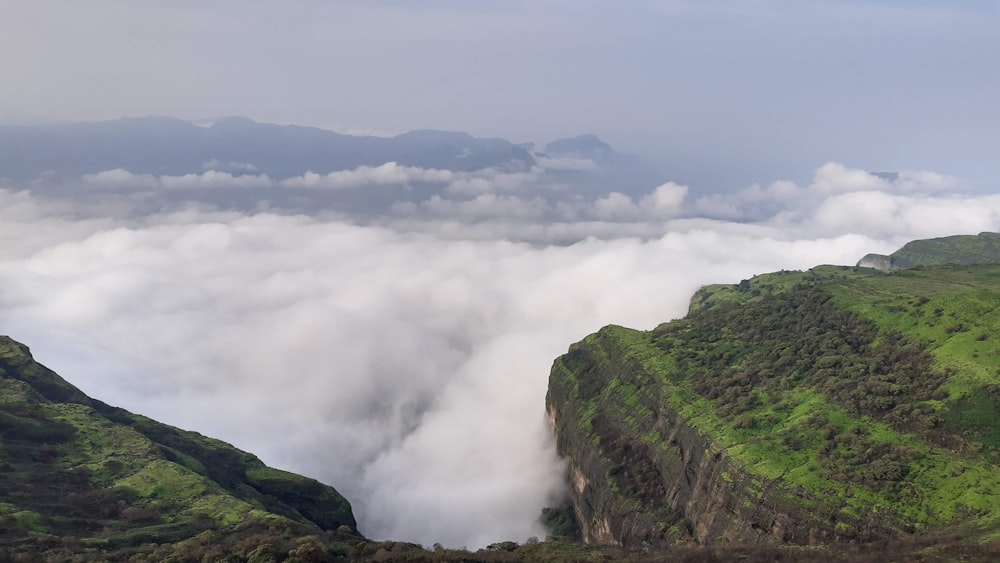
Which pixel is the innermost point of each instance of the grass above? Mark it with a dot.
(959, 249)
(165, 480)
(107, 450)
(956, 311)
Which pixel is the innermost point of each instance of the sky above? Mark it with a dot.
(716, 93)
(402, 354)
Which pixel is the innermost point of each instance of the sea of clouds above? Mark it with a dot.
(403, 356)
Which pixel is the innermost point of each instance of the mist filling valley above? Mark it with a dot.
(388, 327)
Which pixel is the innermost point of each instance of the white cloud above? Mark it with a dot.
(489, 180)
(831, 179)
(211, 179)
(881, 214)
(389, 173)
(922, 181)
(615, 207)
(470, 186)
(120, 178)
(460, 184)
(666, 200)
(482, 206)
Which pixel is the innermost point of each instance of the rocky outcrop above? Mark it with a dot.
(879, 262)
(641, 474)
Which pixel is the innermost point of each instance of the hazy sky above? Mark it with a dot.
(722, 93)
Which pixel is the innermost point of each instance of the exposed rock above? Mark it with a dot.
(877, 261)
(637, 492)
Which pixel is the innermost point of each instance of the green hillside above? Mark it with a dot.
(837, 404)
(78, 476)
(983, 248)
(962, 250)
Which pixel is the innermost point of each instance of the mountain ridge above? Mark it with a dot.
(167, 145)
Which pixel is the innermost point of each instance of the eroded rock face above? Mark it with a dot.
(877, 261)
(641, 475)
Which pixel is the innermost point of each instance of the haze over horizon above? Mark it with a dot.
(381, 314)
(718, 94)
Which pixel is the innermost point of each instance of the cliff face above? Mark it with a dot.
(792, 408)
(94, 478)
(643, 474)
(876, 261)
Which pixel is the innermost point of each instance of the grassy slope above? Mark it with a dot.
(955, 311)
(983, 248)
(74, 469)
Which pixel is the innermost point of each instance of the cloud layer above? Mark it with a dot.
(404, 360)
(538, 206)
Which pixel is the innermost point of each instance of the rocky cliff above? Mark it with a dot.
(839, 404)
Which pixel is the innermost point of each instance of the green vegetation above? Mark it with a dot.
(983, 248)
(958, 250)
(80, 477)
(845, 403)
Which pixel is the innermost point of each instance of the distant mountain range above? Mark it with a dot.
(584, 146)
(169, 146)
(273, 165)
